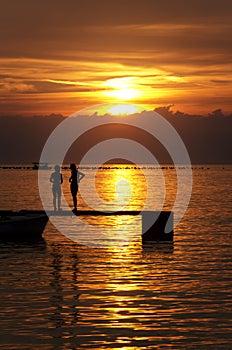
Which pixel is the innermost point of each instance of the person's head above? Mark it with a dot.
(57, 168)
(73, 166)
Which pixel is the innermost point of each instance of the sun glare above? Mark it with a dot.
(123, 109)
(122, 88)
(115, 109)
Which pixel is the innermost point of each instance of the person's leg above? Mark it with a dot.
(58, 197)
(54, 198)
(74, 195)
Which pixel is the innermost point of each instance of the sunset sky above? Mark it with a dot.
(61, 56)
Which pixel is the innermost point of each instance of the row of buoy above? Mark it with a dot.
(111, 167)
(17, 167)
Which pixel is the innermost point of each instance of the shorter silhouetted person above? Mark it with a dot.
(74, 180)
(56, 179)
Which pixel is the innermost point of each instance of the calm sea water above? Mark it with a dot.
(56, 294)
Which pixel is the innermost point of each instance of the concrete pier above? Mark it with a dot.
(157, 226)
(154, 223)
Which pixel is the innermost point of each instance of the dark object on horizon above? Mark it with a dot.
(24, 224)
(41, 166)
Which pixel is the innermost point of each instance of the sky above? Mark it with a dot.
(62, 56)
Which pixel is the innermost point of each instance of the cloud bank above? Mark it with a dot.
(207, 139)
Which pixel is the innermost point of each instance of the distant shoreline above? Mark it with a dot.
(119, 166)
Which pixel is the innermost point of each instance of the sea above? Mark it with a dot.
(58, 293)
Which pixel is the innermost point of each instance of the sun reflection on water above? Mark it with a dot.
(119, 191)
(121, 185)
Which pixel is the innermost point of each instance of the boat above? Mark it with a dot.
(24, 224)
(41, 166)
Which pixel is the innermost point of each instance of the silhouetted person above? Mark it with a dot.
(56, 179)
(75, 178)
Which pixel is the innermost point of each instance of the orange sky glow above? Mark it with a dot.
(55, 62)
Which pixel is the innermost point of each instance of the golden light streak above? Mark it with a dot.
(33, 86)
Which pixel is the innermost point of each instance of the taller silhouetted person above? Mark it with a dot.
(74, 180)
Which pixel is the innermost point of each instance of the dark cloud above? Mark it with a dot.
(207, 139)
(104, 12)
(43, 28)
(221, 81)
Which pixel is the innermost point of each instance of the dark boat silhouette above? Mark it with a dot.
(41, 166)
(23, 224)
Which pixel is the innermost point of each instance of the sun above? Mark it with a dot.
(123, 109)
(123, 94)
(115, 109)
(122, 88)
(120, 109)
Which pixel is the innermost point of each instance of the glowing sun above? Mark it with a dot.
(122, 88)
(115, 109)
(123, 109)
